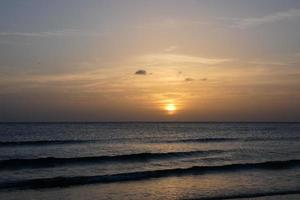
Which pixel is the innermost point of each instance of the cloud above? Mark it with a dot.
(188, 79)
(171, 49)
(57, 33)
(181, 58)
(171, 23)
(275, 17)
(141, 72)
(191, 79)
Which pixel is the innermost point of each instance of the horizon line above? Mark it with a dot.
(136, 121)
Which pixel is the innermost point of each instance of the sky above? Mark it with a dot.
(141, 60)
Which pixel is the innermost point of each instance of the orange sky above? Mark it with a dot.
(134, 60)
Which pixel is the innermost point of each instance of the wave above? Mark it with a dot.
(251, 195)
(45, 142)
(144, 175)
(139, 157)
(249, 139)
(207, 140)
(196, 140)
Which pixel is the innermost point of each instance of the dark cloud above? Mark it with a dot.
(188, 79)
(141, 72)
(191, 79)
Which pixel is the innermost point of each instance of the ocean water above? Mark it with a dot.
(150, 161)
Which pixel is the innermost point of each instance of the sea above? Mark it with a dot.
(150, 160)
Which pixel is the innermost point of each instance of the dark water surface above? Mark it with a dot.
(150, 161)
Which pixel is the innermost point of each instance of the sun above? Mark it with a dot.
(170, 108)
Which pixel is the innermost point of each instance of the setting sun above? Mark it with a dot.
(170, 108)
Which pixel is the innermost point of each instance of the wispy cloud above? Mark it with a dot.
(57, 33)
(269, 63)
(171, 23)
(181, 58)
(171, 48)
(275, 17)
